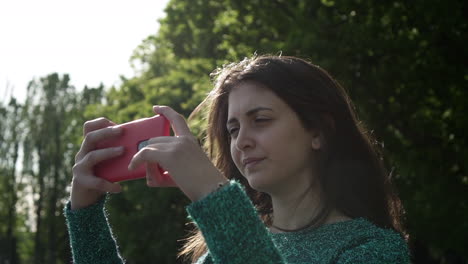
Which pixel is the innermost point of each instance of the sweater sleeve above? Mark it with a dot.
(388, 249)
(91, 239)
(232, 229)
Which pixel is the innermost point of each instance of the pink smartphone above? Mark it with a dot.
(135, 136)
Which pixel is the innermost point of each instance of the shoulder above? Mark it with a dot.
(351, 241)
(203, 258)
(367, 243)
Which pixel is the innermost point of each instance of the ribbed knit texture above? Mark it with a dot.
(90, 235)
(235, 234)
(232, 229)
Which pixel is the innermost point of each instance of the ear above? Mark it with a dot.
(317, 139)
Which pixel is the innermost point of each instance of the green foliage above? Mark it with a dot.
(11, 185)
(148, 220)
(48, 126)
(403, 63)
(48, 115)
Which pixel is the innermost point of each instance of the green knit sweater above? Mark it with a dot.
(235, 234)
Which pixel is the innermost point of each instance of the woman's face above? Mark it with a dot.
(269, 145)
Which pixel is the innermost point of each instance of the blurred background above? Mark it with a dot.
(404, 63)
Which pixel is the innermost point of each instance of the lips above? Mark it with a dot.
(251, 161)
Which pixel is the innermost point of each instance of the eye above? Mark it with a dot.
(232, 131)
(261, 120)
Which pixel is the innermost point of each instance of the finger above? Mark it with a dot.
(158, 142)
(94, 157)
(100, 184)
(93, 137)
(145, 155)
(161, 139)
(153, 175)
(178, 123)
(96, 124)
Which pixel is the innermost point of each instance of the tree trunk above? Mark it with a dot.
(51, 251)
(38, 246)
(12, 186)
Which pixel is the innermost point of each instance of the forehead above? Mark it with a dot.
(247, 95)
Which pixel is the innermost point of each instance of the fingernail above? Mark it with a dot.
(119, 149)
(156, 108)
(116, 130)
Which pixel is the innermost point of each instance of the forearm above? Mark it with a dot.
(91, 238)
(232, 229)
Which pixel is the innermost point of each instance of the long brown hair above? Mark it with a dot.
(352, 177)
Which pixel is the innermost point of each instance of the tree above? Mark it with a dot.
(10, 182)
(403, 63)
(50, 123)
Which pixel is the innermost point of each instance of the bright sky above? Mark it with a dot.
(90, 40)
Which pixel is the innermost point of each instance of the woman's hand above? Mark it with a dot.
(181, 156)
(87, 189)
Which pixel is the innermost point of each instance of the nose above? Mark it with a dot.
(244, 139)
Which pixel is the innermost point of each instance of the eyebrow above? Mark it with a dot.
(249, 113)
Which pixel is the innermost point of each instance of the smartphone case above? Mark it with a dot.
(135, 135)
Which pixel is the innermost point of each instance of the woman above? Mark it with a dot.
(284, 131)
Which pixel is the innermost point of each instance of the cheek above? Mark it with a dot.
(283, 143)
(235, 155)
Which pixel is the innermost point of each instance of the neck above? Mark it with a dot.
(295, 210)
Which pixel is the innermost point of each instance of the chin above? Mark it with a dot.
(258, 184)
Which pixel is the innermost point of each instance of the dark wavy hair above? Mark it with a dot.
(351, 173)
